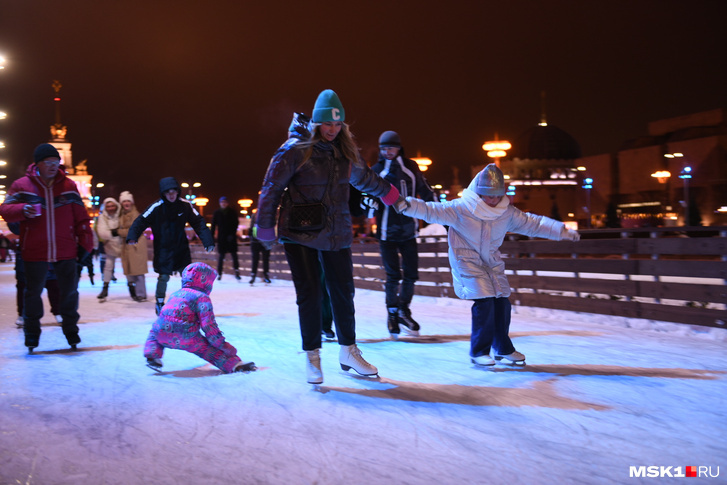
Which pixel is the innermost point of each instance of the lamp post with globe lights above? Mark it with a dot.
(190, 196)
(201, 202)
(662, 176)
(422, 162)
(686, 175)
(496, 149)
(588, 185)
(245, 204)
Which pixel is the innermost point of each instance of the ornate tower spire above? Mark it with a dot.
(543, 118)
(57, 130)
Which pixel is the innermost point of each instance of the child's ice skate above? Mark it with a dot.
(245, 367)
(516, 358)
(483, 361)
(154, 364)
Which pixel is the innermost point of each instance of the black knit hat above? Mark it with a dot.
(44, 151)
(169, 183)
(390, 139)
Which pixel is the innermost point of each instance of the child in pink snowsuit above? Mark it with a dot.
(179, 322)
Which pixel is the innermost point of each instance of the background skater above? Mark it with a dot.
(167, 218)
(397, 232)
(225, 222)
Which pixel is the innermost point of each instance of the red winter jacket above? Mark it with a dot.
(63, 224)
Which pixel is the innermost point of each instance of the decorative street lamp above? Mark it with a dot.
(496, 149)
(190, 196)
(685, 175)
(588, 185)
(662, 176)
(422, 162)
(245, 204)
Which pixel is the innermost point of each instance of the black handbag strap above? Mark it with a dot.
(331, 174)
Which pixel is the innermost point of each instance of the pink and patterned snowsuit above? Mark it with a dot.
(179, 322)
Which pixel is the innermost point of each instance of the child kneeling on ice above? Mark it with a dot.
(181, 318)
(478, 222)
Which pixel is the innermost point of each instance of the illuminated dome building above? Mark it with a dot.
(542, 171)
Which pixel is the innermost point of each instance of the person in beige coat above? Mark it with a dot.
(133, 257)
(106, 227)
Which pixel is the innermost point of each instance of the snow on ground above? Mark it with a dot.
(598, 396)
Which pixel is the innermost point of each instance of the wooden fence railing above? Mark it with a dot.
(655, 273)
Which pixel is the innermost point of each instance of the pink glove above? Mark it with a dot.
(391, 197)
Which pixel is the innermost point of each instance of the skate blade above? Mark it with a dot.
(247, 368)
(483, 366)
(356, 373)
(512, 363)
(409, 332)
(158, 370)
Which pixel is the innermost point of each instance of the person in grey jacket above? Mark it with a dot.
(316, 172)
(478, 222)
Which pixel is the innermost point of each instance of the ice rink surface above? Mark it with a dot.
(598, 396)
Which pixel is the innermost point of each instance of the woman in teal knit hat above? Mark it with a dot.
(316, 171)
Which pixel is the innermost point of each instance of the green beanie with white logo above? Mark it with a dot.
(328, 108)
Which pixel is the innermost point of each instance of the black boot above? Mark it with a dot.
(132, 291)
(393, 322)
(90, 277)
(265, 278)
(410, 325)
(104, 292)
(252, 279)
(159, 305)
(237, 275)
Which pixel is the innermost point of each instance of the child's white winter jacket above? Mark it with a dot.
(476, 232)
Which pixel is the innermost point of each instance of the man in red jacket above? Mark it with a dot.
(54, 228)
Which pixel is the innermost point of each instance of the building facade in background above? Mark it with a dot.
(678, 168)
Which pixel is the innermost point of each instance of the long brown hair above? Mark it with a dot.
(348, 146)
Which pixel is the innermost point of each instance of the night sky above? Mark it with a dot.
(204, 91)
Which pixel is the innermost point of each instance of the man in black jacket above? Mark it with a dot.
(397, 232)
(225, 221)
(167, 218)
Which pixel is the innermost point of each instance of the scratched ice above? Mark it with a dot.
(599, 395)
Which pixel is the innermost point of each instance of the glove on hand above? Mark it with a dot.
(570, 234)
(83, 257)
(115, 232)
(209, 249)
(401, 205)
(369, 203)
(263, 234)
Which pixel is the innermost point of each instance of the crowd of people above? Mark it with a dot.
(306, 205)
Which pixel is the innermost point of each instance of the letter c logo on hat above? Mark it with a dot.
(336, 114)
